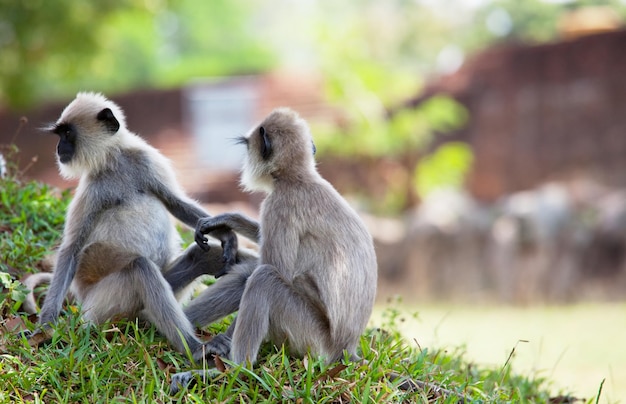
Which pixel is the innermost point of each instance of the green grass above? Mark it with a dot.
(128, 362)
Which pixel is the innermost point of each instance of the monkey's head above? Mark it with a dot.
(280, 148)
(89, 128)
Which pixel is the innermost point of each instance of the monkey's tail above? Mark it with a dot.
(31, 282)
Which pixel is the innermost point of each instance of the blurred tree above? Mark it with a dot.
(44, 43)
(208, 38)
(444, 168)
(370, 54)
(525, 21)
(52, 49)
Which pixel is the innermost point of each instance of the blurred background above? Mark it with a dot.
(483, 141)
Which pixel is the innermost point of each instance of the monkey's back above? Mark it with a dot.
(335, 250)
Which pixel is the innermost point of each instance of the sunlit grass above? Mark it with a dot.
(575, 347)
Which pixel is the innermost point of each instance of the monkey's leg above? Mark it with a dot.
(140, 286)
(223, 297)
(193, 263)
(217, 301)
(270, 306)
(161, 307)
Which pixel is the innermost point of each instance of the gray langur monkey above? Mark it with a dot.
(118, 235)
(315, 283)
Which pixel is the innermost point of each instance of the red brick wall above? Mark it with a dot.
(544, 112)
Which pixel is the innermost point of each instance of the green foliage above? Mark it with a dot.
(12, 294)
(43, 43)
(445, 168)
(31, 221)
(31, 216)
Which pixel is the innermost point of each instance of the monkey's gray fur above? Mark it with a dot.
(119, 235)
(315, 283)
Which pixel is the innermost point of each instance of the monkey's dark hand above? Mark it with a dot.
(203, 227)
(219, 231)
(230, 244)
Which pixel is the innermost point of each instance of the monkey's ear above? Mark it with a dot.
(266, 145)
(110, 122)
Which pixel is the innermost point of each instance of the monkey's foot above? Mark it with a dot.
(182, 380)
(37, 337)
(219, 345)
(185, 380)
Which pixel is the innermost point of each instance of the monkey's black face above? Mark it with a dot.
(67, 141)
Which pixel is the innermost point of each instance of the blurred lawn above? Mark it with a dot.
(573, 346)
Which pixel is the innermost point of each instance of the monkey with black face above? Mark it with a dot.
(118, 235)
(315, 283)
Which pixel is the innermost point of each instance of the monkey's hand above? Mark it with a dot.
(218, 345)
(205, 225)
(230, 244)
(221, 232)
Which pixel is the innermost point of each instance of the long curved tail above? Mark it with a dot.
(31, 282)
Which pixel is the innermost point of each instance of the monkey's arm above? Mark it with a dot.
(79, 225)
(191, 264)
(60, 284)
(189, 213)
(281, 242)
(65, 269)
(233, 221)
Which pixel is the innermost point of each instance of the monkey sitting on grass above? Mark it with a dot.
(118, 235)
(315, 282)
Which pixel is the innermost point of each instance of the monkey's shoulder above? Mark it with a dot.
(107, 191)
(129, 168)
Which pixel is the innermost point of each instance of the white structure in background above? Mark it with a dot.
(217, 112)
(3, 166)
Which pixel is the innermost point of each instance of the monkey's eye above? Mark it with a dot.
(266, 145)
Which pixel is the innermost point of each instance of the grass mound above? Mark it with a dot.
(128, 361)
